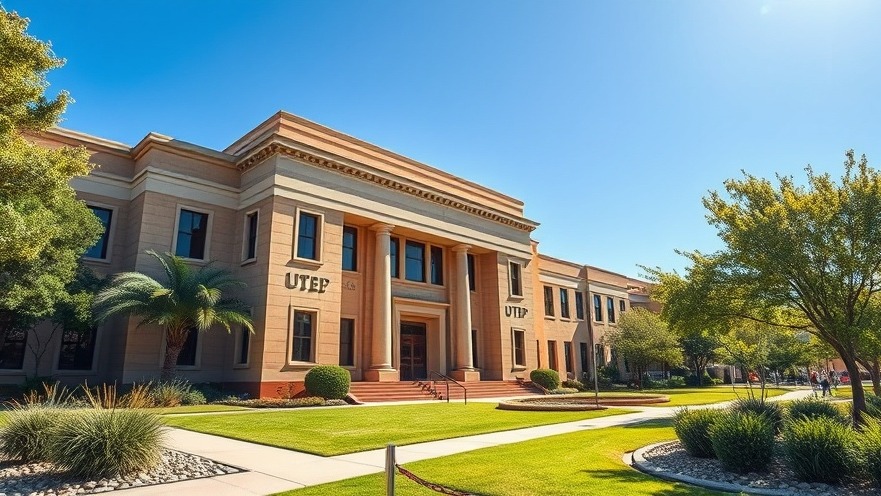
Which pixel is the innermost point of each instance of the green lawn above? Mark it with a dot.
(707, 395)
(335, 431)
(582, 463)
(197, 409)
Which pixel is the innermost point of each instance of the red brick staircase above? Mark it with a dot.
(372, 392)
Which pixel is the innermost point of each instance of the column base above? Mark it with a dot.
(465, 375)
(382, 375)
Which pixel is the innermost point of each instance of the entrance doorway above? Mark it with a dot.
(413, 353)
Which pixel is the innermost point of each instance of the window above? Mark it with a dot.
(549, 301)
(251, 236)
(552, 355)
(347, 342)
(622, 306)
(12, 345)
(600, 357)
(472, 284)
(243, 346)
(192, 233)
(187, 356)
(414, 261)
(597, 308)
(519, 348)
(567, 355)
(394, 244)
(301, 346)
(474, 348)
(307, 236)
(564, 303)
(437, 265)
(579, 305)
(350, 248)
(585, 365)
(99, 250)
(514, 275)
(77, 349)
(610, 308)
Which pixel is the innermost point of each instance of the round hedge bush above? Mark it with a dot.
(27, 432)
(811, 408)
(106, 443)
(331, 382)
(820, 449)
(546, 378)
(743, 441)
(773, 412)
(869, 444)
(693, 430)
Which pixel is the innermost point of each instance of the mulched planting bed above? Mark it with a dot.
(42, 479)
(551, 403)
(671, 458)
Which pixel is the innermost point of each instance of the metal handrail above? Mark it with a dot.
(447, 380)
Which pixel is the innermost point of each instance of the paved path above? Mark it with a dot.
(272, 470)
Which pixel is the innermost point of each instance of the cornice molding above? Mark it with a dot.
(275, 148)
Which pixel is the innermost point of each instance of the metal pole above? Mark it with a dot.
(390, 470)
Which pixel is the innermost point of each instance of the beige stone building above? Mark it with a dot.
(353, 255)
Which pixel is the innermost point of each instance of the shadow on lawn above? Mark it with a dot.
(628, 477)
(649, 424)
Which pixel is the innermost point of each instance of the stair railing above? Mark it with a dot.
(447, 380)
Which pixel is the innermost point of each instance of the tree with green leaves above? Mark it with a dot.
(44, 229)
(642, 338)
(699, 347)
(802, 257)
(788, 349)
(189, 300)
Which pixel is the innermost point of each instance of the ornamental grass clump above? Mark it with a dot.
(743, 441)
(693, 430)
(28, 432)
(820, 449)
(328, 381)
(773, 412)
(106, 443)
(869, 446)
(812, 408)
(169, 393)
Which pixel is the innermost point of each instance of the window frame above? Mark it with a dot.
(553, 358)
(425, 246)
(314, 338)
(24, 354)
(622, 306)
(436, 265)
(599, 355)
(56, 368)
(610, 309)
(395, 257)
(319, 236)
(584, 349)
(209, 229)
(511, 293)
(110, 230)
(237, 346)
(548, 299)
(579, 305)
(564, 304)
(354, 343)
(472, 272)
(356, 232)
(567, 357)
(522, 333)
(246, 236)
(597, 308)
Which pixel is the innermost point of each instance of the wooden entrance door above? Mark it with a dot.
(413, 352)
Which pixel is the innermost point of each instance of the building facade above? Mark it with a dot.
(352, 255)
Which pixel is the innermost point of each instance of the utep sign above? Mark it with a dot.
(304, 282)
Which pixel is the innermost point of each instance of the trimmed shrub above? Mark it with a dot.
(771, 411)
(676, 381)
(693, 430)
(716, 382)
(869, 445)
(169, 393)
(743, 441)
(106, 443)
(193, 397)
(811, 408)
(563, 390)
(328, 381)
(546, 378)
(573, 384)
(27, 433)
(820, 449)
(692, 380)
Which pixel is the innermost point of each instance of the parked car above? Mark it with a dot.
(844, 377)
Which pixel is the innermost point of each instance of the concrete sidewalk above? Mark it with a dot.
(272, 469)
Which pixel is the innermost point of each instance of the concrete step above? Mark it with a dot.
(370, 392)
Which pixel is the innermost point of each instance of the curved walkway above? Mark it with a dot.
(272, 470)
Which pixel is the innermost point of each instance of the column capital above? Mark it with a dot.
(463, 247)
(382, 228)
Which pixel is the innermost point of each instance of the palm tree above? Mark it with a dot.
(190, 299)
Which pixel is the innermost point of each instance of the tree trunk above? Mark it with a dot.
(875, 372)
(169, 365)
(856, 384)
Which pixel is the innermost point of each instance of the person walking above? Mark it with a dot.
(824, 383)
(814, 382)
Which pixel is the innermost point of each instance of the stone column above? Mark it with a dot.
(464, 359)
(381, 345)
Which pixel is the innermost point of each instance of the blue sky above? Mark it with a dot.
(610, 120)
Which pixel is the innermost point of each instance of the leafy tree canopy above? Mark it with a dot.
(642, 338)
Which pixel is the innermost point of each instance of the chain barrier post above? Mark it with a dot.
(390, 470)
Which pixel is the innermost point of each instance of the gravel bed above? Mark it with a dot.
(42, 479)
(672, 458)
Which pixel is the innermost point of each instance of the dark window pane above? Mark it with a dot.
(564, 303)
(191, 235)
(579, 305)
(472, 284)
(552, 355)
(251, 251)
(474, 348)
(549, 301)
(393, 256)
(187, 357)
(600, 355)
(585, 364)
(99, 250)
(567, 355)
(622, 306)
(307, 236)
(516, 287)
(414, 261)
(77, 349)
(302, 342)
(350, 248)
(519, 351)
(12, 347)
(347, 342)
(597, 308)
(610, 308)
(437, 265)
(244, 346)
